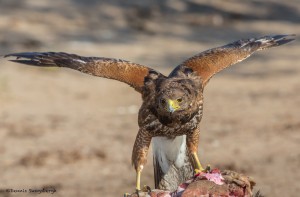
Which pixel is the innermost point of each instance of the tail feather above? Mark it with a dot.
(171, 162)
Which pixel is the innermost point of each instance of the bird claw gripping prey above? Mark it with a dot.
(146, 189)
(207, 169)
(172, 105)
(214, 183)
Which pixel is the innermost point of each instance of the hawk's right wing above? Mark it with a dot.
(209, 62)
(121, 70)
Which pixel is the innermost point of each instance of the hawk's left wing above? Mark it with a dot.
(121, 70)
(209, 62)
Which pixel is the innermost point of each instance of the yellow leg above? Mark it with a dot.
(138, 180)
(198, 167)
(138, 183)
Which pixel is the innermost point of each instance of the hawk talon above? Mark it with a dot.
(147, 189)
(197, 171)
(137, 191)
(207, 170)
(126, 195)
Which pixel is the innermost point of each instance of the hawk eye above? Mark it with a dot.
(179, 100)
(163, 101)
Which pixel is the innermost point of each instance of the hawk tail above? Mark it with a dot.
(172, 165)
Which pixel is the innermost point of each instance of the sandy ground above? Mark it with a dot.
(74, 132)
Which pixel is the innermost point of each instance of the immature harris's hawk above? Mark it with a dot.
(172, 105)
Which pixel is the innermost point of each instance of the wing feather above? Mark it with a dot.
(209, 62)
(121, 70)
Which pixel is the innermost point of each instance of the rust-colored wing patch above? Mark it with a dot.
(209, 62)
(121, 70)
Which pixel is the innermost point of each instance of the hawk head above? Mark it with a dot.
(175, 99)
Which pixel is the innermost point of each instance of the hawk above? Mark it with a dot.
(172, 105)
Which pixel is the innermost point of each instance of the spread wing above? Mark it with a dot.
(121, 70)
(209, 62)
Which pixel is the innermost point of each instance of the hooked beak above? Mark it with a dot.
(172, 105)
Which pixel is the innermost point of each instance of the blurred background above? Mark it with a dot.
(64, 129)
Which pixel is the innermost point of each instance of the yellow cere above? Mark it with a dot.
(173, 105)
